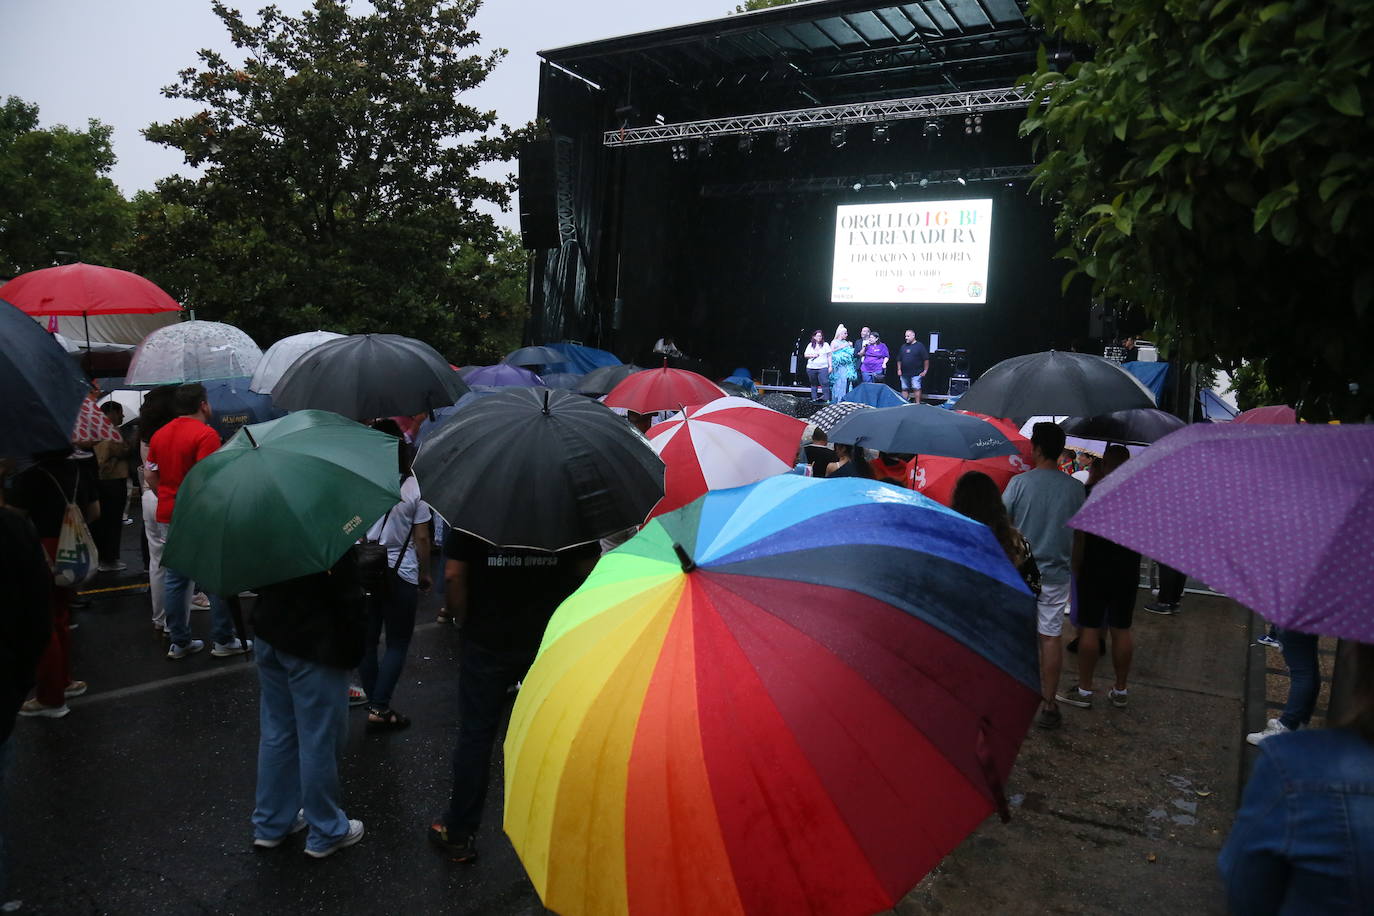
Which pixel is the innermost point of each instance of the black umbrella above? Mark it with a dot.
(534, 356)
(603, 379)
(42, 387)
(567, 381)
(1140, 426)
(1055, 383)
(923, 429)
(537, 468)
(370, 375)
(782, 403)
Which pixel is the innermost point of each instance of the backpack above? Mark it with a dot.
(75, 562)
(373, 571)
(1029, 569)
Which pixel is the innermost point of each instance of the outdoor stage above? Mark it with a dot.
(690, 182)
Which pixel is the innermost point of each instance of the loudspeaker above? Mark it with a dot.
(538, 196)
(772, 377)
(937, 377)
(958, 385)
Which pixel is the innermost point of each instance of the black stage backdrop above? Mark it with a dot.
(731, 253)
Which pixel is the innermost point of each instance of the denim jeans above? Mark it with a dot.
(396, 615)
(872, 376)
(484, 677)
(820, 382)
(1304, 681)
(839, 387)
(177, 598)
(303, 723)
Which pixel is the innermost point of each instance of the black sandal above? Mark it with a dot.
(385, 720)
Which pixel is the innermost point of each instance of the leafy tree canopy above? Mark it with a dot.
(340, 184)
(1211, 165)
(56, 202)
(748, 6)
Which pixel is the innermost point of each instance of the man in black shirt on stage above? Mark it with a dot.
(503, 597)
(913, 362)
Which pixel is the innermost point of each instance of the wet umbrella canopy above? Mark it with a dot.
(193, 351)
(43, 390)
(1139, 426)
(538, 468)
(283, 354)
(604, 378)
(364, 376)
(1055, 383)
(921, 429)
(533, 356)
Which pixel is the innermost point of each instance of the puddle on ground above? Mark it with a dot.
(1186, 806)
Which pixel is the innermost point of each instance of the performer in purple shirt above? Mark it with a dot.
(873, 364)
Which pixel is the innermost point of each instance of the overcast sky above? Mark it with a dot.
(108, 59)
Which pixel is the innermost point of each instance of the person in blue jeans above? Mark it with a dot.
(1303, 840)
(404, 531)
(505, 597)
(310, 633)
(1304, 683)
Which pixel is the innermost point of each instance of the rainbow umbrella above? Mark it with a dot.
(791, 697)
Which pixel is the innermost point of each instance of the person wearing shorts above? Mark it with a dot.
(1106, 576)
(1040, 502)
(913, 362)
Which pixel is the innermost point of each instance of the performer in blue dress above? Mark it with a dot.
(843, 365)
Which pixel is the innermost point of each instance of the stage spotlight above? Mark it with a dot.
(932, 128)
(706, 148)
(746, 143)
(880, 133)
(973, 124)
(679, 151)
(783, 141)
(838, 137)
(925, 182)
(960, 179)
(892, 184)
(858, 185)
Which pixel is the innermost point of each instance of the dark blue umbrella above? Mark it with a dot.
(874, 394)
(233, 406)
(42, 387)
(921, 429)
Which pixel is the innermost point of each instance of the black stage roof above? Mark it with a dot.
(823, 52)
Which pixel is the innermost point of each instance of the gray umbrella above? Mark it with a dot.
(603, 379)
(534, 356)
(1055, 384)
(923, 429)
(370, 375)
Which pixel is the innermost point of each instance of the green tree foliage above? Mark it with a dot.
(340, 186)
(748, 6)
(55, 195)
(1211, 165)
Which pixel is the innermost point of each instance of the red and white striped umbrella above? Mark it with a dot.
(728, 442)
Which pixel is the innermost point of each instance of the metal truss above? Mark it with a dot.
(890, 180)
(929, 106)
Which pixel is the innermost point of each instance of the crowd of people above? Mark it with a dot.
(308, 635)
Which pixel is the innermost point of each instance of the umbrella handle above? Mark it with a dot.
(688, 564)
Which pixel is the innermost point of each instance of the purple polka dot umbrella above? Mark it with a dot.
(1280, 518)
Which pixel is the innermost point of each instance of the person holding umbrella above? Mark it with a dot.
(505, 597)
(1040, 502)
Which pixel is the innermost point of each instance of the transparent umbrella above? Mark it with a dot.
(193, 351)
(282, 354)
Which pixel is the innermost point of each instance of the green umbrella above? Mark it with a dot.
(281, 499)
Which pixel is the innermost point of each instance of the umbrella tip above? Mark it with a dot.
(546, 401)
(251, 440)
(687, 563)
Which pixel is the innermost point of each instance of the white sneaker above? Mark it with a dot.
(296, 827)
(1275, 727)
(200, 602)
(179, 652)
(237, 647)
(354, 834)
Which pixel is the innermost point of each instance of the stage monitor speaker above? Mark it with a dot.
(538, 196)
(937, 376)
(958, 385)
(772, 377)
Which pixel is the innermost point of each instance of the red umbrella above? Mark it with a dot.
(1274, 413)
(729, 442)
(86, 290)
(663, 389)
(937, 477)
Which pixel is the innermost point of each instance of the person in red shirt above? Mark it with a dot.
(173, 451)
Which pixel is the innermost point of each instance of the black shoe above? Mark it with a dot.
(458, 848)
(1160, 607)
(1049, 718)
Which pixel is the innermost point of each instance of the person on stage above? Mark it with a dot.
(843, 370)
(913, 362)
(818, 366)
(873, 359)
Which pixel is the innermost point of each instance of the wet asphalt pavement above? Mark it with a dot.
(139, 800)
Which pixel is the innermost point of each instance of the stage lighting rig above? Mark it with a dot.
(838, 136)
(746, 143)
(858, 186)
(932, 129)
(706, 147)
(679, 151)
(973, 124)
(881, 133)
(783, 141)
